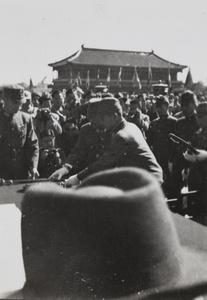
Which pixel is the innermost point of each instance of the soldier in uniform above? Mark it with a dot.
(19, 150)
(186, 128)
(158, 138)
(137, 117)
(92, 143)
(197, 179)
(127, 148)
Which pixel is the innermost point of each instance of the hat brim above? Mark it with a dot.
(113, 204)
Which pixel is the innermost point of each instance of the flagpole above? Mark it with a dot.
(149, 77)
(169, 79)
(119, 77)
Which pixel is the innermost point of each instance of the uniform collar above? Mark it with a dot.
(164, 116)
(118, 126)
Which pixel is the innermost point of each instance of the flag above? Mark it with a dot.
(31, 84)
(136, 79)
(169, 77)
(88, 80)
(119, 77)
(98, 75)
(71, 79)
(108, 79)
(79, 79)
(149, 74)
(77, 82)
(189, 80)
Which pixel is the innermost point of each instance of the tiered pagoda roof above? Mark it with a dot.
(93, 56)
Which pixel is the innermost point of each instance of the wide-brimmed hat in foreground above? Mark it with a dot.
(113, 237)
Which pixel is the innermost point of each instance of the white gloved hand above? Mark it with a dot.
(202, 155)
(72, 181)
(190, 157)
(58, 174)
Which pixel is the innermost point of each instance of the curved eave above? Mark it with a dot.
(65, 60)
(117, 58)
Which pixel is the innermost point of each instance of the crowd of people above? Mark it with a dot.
(71, 134)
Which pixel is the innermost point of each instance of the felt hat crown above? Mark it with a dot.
(111, 237)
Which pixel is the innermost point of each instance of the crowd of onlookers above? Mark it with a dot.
(59, 115)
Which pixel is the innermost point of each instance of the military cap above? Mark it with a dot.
(125, 100)
(106, 95)
(109, 105)
(161, 100)
(93, 107)
(89, 93)
(14, 92)
(112, 237)
(39, 94)
(135, 101)
(188, 97)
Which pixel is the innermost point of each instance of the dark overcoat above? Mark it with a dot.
(19, 149)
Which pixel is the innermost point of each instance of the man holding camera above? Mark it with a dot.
(45, 119)
(50, 157)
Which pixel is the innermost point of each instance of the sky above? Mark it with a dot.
(35, 33)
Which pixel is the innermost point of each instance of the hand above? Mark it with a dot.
(190, 157)
(33, 173)
(71, 181)
(58, 174)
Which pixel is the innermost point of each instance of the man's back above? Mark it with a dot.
(128, 148)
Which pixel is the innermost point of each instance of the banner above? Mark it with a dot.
(149, 74)
(98, 75)
(71, 79)
(169, 78)
(87, 80)
(136, 79)
(119, 77)
(108, 79)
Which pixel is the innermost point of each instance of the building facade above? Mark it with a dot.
(128, 71)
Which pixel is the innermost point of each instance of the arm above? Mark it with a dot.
(54, 124)
(32, 150)
(76, 158)
(108, 160)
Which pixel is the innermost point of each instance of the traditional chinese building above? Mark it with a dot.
(119, 70)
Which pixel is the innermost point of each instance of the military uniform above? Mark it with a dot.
(90, 145)
(197, 179)
(186, 128)
(19, 149)
(160, 143)
(128, 148)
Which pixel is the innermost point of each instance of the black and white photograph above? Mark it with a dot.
(103, 149)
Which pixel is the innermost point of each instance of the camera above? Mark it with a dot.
(43, 114)
(53, 157)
